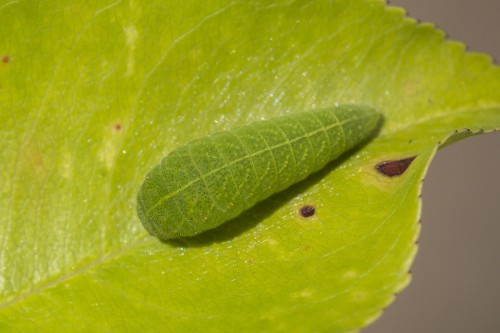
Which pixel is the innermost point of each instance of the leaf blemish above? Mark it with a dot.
(395, 167)
(6, 59)
(307, 211)
(118, 126)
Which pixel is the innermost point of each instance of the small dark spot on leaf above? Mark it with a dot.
(396, 167)
(118, 126)
(5, 59)
(307, 211)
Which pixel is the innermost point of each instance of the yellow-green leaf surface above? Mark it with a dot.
(94, 94)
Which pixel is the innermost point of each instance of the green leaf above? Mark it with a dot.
(93, 94)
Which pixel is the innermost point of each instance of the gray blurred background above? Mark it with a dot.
(456, 276)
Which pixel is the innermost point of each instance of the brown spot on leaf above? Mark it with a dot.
(5, 59)
(307, 211)
(118, 126)
(396, 167)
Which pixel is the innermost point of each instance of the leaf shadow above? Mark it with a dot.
(262, 210)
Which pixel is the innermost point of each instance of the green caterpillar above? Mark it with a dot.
(211, 180)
